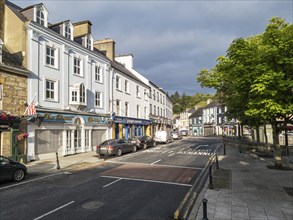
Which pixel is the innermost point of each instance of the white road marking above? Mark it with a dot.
(156, 162)
(149, 181)
(163, 165)
(112, 183)
(170, 155)
(48, 213)
(24, 182)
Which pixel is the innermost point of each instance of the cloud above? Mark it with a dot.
(171, 40)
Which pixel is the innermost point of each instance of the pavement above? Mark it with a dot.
(246, 186)
(66, 163)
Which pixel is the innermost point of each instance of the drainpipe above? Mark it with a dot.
(1, 46)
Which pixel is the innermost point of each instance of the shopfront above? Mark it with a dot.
(13, 136)
(65, 133)
(129, 127)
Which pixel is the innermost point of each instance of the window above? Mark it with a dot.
(151, 108)
(50, 89)
(155, 110)
(98, 75)
(67, 31)
(118, 107)
(89, 42)
(137, 91)
(145, 95)
(126, 86)
(98, 99)
(82, 93)
(158, 97)
(145, 112)
(158, 112)
(74, 96)
(40, 17)
(154, 95)
(138, 111)
(50, 56)
(118, 83)
(126, 109)
(77, 66)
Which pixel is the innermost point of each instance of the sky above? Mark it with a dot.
(171, 40)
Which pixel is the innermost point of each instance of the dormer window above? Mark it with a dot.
(41, 15)
(88, 42)
(67, 32)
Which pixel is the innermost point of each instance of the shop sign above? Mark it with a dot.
(131, 121)
(69, 118)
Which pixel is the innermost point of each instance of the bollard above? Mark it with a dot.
(204, 206)
(57, 161)
(211, 178)
(217, 162)
(224, 150)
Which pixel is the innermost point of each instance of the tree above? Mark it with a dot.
(254, 79)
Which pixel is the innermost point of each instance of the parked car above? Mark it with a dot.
(163, 137)
(143, 141)
(115, 147)
(184, 132)
(11, 170)
(176, 135)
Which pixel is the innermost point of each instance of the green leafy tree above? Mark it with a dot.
(254, 79)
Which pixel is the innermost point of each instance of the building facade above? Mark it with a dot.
(82, 95)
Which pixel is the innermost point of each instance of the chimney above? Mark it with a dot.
(107, 46)
(82, 28)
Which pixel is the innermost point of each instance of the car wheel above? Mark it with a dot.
(134, 148)
(119, 152)
(18, 175)
(145, 146)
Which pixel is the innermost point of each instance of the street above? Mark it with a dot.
(148, 184)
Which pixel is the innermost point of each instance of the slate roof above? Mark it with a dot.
(197, 113)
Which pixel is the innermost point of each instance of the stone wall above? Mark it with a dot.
(14, 93)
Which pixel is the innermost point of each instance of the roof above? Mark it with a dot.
(12, 62)
(212, 104)
(121, 68)
(197, 113)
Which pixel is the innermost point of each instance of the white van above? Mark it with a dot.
(163, 137)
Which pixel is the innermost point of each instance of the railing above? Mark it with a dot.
(184, 209)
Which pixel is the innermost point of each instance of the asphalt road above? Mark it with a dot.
(148, 184)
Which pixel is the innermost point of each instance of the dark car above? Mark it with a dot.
(115, 147)
(143, 141)
(11, 170)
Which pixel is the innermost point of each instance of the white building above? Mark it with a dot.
(69, 83)
(160, 108)
(82, 95)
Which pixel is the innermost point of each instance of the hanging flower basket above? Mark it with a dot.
(22, 136)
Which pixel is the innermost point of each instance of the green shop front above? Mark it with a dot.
(13, 137)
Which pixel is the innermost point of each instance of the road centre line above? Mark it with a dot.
(149, 181)
(171, 166)
(156, 162)
(112, 183)
(24, 182)
(48, 213)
